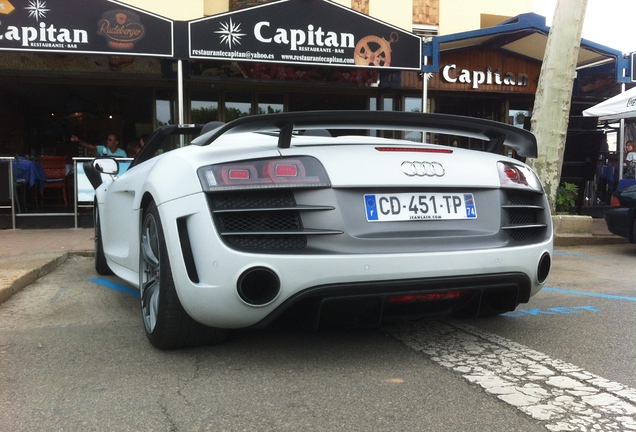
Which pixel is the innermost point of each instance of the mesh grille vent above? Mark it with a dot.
(520, 221)
(257, 218)
(260, 221)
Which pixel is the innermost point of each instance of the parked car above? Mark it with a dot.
(621, 218)
(310, 215)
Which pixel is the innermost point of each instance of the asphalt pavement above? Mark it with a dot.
(28, 254)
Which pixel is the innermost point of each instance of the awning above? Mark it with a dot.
(619, 107)
(525, 35)
(84, 27)
(310, 32)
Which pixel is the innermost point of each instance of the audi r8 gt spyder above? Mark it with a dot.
(326, 217)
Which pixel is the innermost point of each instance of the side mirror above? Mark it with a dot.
(106, 166)
(95, 168)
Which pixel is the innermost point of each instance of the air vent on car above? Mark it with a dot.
(523, 216)
(263, 220)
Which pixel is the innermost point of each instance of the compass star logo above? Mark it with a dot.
(37, 9)
(230, 33)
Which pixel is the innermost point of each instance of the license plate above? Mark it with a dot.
(429, 206)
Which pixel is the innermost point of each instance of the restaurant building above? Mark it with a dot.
(126, 68)
(108, 67)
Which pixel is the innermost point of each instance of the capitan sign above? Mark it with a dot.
(83, 26)
(314, 32)
(476, 78)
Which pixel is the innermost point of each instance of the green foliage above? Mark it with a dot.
(234, 113)
(269, 110)
(566, 197)
(204, 115)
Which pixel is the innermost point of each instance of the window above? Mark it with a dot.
(413, 104)
(204, 107)
(164, 108)
(237, 105)
(270, 103)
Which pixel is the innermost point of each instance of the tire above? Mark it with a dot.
(101, 266)
(166, 323)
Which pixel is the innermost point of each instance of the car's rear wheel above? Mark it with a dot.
(101, 266)
(166, 323)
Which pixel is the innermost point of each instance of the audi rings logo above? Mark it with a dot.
(423, 169)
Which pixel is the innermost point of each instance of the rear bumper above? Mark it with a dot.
(370, 303)
(207, 272)
(619, 221)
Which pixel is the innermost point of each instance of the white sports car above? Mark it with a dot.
(309, 214)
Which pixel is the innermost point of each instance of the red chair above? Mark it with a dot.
(55, 172)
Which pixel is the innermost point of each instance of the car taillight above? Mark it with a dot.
(285, 170)
(239, 173)
(413, 298)
(415, 149)
(512, 175)
(615, 202)
(297, 172)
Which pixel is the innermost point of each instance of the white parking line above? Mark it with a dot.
(562, 396)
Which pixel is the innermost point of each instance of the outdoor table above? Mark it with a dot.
(30, 171)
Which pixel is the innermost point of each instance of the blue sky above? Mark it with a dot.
(607, 22)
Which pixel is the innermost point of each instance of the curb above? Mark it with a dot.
(577, 230)
(18, 273)
(587, 240)
(16, 279)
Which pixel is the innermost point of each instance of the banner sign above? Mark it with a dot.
(312, 32)
(83, 26)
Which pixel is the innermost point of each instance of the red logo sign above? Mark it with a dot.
(121, 28)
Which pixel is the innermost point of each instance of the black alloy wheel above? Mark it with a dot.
(166, 323)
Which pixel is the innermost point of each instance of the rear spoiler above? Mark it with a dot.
(496, 133)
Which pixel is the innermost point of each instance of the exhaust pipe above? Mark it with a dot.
(258, 286)
(545, 263)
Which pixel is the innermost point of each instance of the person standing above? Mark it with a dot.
(630, 160)
(110, 149)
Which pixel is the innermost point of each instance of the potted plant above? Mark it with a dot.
(566, 197)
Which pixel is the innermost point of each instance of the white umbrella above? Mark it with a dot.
(619, 107)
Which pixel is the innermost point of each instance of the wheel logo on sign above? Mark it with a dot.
(423, 169)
